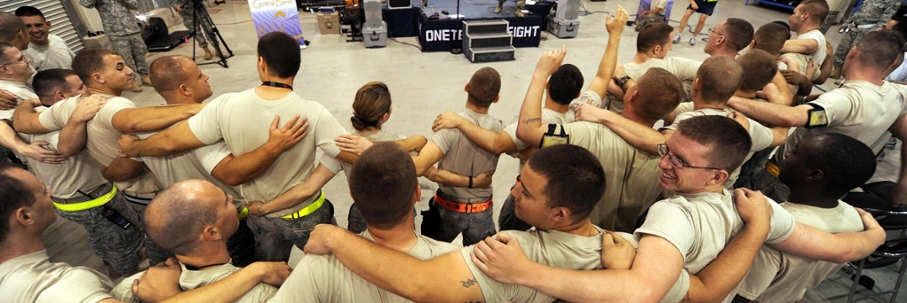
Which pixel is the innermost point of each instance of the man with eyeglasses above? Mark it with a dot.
(687, 231)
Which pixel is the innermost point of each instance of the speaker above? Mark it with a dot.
(372, 10)
(398, 4)
(567, 9)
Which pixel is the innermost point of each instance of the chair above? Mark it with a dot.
(874, 200)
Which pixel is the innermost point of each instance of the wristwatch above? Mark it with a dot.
(623, 80)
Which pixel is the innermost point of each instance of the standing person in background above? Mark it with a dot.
(187, 9)
(872, 15)
(703, 7)
(125, 35)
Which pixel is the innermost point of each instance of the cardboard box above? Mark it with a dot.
(328, 23)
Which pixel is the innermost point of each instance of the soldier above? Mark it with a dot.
(46, 50)
(520, 5)
(872, 15)
(123, 30)
(187, 10)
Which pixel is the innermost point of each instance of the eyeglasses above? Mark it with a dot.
(21, 59)
(712, 31)
(674, 160)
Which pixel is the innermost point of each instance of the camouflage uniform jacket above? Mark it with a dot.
(874, 11)
(116, 16)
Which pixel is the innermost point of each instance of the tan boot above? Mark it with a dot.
(519, 13)
(497, 10)
(146, 80)
(136, 86)
(835, 72)
(208, 54)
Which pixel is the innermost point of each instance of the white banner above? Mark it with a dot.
(276, 15)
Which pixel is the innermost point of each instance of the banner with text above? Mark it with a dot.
(438, 35)
(276, 15)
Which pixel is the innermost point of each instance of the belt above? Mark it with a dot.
(865, 26)
(242, 213)
(463, 207)
(145, 196)
(86, 205)
(305, 211)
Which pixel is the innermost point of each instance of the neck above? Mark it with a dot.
(103, 90)
(864, 74)
(400, 238)
(288, 81)
(582, 228)
(370, 130)
(631, 115)
(178, 99)
(476, 108)
(207, 256)
(699, 103)
(642, 57)
(557, 107)
(745, 94)
(45, 42)
(807, 28)
(11, 79)
(17, 245)
(724, 51)
(812, 198)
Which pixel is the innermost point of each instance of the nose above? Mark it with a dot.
(665, 163)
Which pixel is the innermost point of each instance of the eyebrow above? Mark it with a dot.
(525, 190)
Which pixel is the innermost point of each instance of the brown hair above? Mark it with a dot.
(10, 25)
(651, 35)
(660, 92)
(484, 86)
(382, 183)
(373, 100)
(575, 178)
(729, 143)
(817, 8)
(771, 37)
(880, 48)
(89, 61)
(719, 78)
(758, 69)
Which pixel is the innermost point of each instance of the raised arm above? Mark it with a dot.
(445, 278)
(530, 128)
(639, 136)
(300, 192)
(238, 170)
(152, 118)
(774, 114)
(615, 28)
(172, 140)
(809, 242)
(497, 143)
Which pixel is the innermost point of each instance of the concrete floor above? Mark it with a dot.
(426, 84)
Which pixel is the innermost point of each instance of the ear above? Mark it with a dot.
(697, 84)
(559, 215)
(48, 23)
(211, 233)
(496, 99)
(417, 194)
(184, 90)
(24, 216)
(815, 176)
(631, 96)
(719, 177)
(466, 88)
(753, 44)
(657, 49)
(96, 77)
(58, 95)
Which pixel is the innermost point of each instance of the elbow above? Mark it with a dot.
(229, 179)
(420, 170)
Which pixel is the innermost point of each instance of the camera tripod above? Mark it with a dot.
(200, 14)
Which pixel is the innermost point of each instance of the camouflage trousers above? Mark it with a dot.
(520, 4)
(275, 236)
(121, 247)
(195, 22)
(508, 219)
(448, 224)
(848, 41)
(133, 50)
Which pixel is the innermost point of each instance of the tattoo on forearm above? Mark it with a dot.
(532, 120)
(469, 283)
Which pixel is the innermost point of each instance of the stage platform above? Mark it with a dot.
(440, 34)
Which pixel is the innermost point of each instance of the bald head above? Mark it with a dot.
(12, 31)
(178, 215)
(179, 80)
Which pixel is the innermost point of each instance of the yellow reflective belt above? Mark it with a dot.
(243, 213)
(80, 206)
(308, 209)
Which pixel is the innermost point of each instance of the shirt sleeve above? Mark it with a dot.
(590, 97)
(326, 129)
(510, 129)
(302, 284)
(111, 108)
(837, 107)
(581, 134)
(331, 163)
(204, 125)
(765, 268)
(782, 224)
(55, 118)
(444, 139)
(123, 291)
(672, 225)
(761, 136)
(686, 68)
(211, 155)
(679, 290)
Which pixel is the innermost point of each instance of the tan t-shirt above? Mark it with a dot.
(379, 136)
(103, 139)
(859, 109)
(549, 116)
(780, 277)
(700, 225)
(631, 176)
(243, 119)
(322, 278)
(192, 279)
(465, 158)
(56, 54)
(78, 172)
(552, 248)
(191, 164)
(684, 68)
(32, 278)
(21, 90)
(760, 135)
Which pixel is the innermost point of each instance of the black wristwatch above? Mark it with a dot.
(623, 80)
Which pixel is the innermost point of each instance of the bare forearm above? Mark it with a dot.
(25, 120)
(155, 118)
(609, 285)
(786, 96)
(228, 289)
(769, 113)
(531, 112)
(238, 170)
(9, 138)
(811, 243)
(714, 282)
(300, 192)
(638, 135)
(72, 138)
(412, 143)
(446, 177)
(486, 139)
(800, 46)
